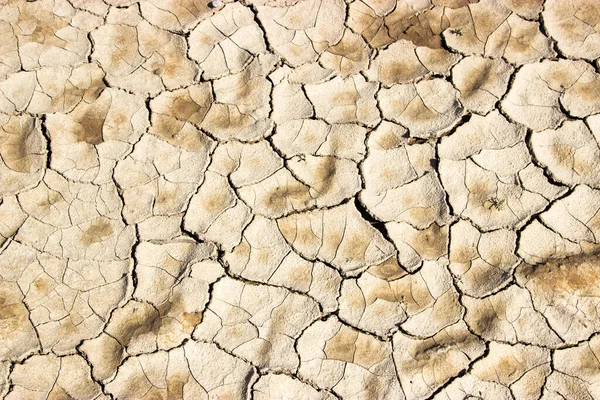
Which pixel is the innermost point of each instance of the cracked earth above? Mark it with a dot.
(300, 199)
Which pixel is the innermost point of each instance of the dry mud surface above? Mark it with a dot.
(300, 199)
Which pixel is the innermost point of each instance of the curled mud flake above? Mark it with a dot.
(245, 163)
(257, 322)
(184, 373)
(105, 354)
(116, 49)
(176, 114)
(482, 262)
(316, 137)
(379, 304)
(51, 89)
(521, 368)
(73, 220)
(481, 82)
(16, 331)
(371, 304)
(576, 217)
(338, 236)
(388, 136)
(22, 154)
(430, 299)
(91, 121)
(181, 268)
(541, 91)
(368, 21)
(351, 363)
(403, 62)
(568, 152)
(566, 292)
(424, 365)
(87, 142)
(538, 243)
(509, 316)
(398, 63)
(161, 267)
(418, 23)
(388, 270)
(163, 318)
(301, 32)
(418, 245)
(290, 103)
(492, 131)
(215, 213)
(497, 188)
(9, 51)
(175, 15)
(165, 55)
(331, 180)
(392, 161)
(277, 195)
(525, 44)
(577, 379)
(348, 100)
(241, 106)
(158, 178)
(226, 42)
(12, 217)
(506, 372)
(492, 29)
(265, 256)
(574, 26)
(428, 108)
(273, 191)
(560, 385)
(50, 376)
(133, 329)
(16, 92)
(60, 89)
(420, 202)
(528, 9)
(94, 289)
(142, 58)
(45, 34)
(349, 56)
(274, 386)
(425, 23)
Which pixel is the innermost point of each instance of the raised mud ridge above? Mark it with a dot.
(300, 199)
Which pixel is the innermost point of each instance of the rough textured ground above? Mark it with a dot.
(300, 199)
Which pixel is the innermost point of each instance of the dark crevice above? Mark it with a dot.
(374, 222)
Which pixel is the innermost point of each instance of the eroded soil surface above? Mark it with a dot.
(300, 199)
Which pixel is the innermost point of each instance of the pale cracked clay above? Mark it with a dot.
(300, 199)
